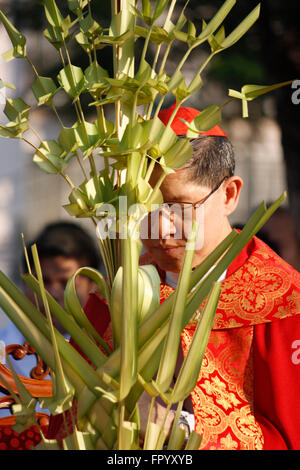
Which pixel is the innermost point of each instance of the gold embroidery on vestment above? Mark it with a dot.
(222, 398)
(256, 292)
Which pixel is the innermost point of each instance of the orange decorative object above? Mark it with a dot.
(37, 386)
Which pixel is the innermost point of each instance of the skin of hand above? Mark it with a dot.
(157, 416)
(159, 410)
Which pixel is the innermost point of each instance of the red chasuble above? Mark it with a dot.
(248, 389)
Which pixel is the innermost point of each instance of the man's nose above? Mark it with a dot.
(167, 226)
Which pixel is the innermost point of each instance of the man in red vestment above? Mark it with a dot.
(247, 392)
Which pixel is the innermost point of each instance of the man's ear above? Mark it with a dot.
(232, 189)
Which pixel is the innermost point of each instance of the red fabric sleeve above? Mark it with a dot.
(97, 312)
(276, 368)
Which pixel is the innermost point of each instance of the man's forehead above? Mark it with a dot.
(178, 187)
(59, 264)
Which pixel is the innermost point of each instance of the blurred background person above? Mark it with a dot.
(63, 248)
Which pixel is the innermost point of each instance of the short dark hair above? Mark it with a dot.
(212, 160)
(65, 239)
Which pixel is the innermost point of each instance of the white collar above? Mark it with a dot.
(172, 278)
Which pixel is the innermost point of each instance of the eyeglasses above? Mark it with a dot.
(185, 206)
(176, 218)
